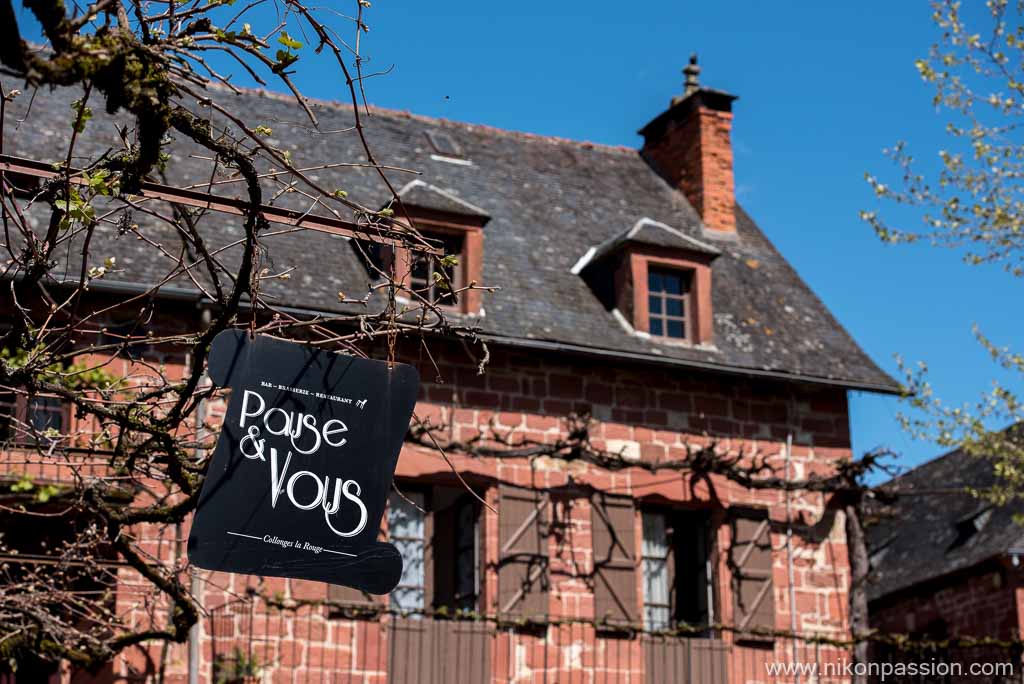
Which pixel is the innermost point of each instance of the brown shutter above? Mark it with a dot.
(613, 528)
(523, 557)
(750, 556)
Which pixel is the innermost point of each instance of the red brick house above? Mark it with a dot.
(948, 565)
(634, 290)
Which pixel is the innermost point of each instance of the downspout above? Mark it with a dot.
(789, 551)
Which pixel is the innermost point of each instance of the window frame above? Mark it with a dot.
(424, 541)
(22, 412)
(470, 260)
(699, 318)
(664, 317)
(667, 562)
(674, 519)
(458, 276)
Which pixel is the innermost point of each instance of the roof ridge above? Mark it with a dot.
(406, 114)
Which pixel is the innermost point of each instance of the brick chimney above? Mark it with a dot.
(689, 146)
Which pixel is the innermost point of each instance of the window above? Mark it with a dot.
(657, 602)
(22, 419)
(22, 184)
(444, 144)
(676, 568)
(406, 530)
(969, 526)
(425, 277)
(667, 293)
(437, 535)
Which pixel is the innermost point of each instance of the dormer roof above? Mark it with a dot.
(423, 195)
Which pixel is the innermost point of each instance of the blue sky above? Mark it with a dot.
(823, 88)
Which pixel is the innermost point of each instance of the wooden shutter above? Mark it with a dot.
(523, 552)
(613, 530)
(750, 557)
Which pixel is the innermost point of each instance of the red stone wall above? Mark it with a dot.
(981, 601)
(648, 414)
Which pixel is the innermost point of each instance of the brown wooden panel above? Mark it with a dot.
(522, 552)
(439, 651)
(613, 533)
(679, 660)
(750, 559)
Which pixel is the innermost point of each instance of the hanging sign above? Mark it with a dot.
(303, 465)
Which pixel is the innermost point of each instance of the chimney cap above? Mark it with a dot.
(691, 73)
(694, 96)
(717, 99)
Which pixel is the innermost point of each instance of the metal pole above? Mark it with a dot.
(789, 553)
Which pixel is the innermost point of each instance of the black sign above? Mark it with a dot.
(303, 465)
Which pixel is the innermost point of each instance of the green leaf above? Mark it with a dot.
(24, 484)
(82, 115)
(288, 41)
(284, 60)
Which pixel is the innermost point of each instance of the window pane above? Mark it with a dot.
(405, 527)
(674, 307)
(7, 423)
(407, 599)
(656, 617)
(45, 413)
(656, 327)
(676, 329)
(672, 282)
(404, 519)
(654, 305)
(420, 271)
(655, 550)
(655, 542)
(654, 281)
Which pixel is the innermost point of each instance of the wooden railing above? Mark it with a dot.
(313, 644)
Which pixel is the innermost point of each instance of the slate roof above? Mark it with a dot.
(647, 232)
(548, 201)
(927, 536)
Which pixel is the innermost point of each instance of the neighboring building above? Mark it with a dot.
(634, 289)
(946, 564)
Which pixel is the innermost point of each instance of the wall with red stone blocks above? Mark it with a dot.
(985, 600)
(649, 414)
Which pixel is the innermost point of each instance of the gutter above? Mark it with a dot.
(180, 293)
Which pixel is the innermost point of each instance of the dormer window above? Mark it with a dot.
(456, 227)
(969, 526)
(656, 280)
(667, 293)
